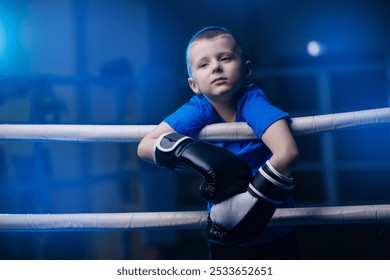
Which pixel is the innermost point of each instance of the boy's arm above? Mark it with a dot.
(279, 140)
(145, 147)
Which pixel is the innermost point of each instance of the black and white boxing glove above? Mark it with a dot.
(224, 173)
(243, 217)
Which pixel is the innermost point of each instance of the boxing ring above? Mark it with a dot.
(188, 219)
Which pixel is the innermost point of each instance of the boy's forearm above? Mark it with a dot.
(145, 149)
(285, 163)
(280, 141)
(146, 145)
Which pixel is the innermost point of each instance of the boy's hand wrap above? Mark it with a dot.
(243, 217)
(224, 173)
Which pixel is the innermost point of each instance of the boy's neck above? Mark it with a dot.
(229, 117)
(227, 111)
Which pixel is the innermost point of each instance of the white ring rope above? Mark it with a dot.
(191, 219)
(226, 131)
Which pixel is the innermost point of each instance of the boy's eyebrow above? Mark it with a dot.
(205, 58)
(228, 52)
(232, 53)
(202, 58)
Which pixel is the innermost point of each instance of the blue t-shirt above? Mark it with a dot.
(253, 108)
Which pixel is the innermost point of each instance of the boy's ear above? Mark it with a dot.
(248, 68)
(193, 86)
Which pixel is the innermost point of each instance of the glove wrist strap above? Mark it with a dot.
(271, 186)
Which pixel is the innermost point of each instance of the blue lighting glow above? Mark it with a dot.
(3, 39)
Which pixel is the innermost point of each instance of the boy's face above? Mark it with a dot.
(217, 68)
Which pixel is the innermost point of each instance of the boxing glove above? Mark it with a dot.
(242, 217)
(224, 173)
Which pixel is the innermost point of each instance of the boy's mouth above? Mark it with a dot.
(218, 80)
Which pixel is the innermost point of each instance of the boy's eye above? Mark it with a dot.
(203, 65)
(225, 58)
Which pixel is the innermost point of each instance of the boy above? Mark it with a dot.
(218, 75)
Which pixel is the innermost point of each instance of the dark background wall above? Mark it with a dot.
(122, 62)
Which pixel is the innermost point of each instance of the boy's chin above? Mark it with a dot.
(221, 95)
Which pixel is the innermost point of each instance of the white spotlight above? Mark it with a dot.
(314, 48)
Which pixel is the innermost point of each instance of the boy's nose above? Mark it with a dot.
(217, 67)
